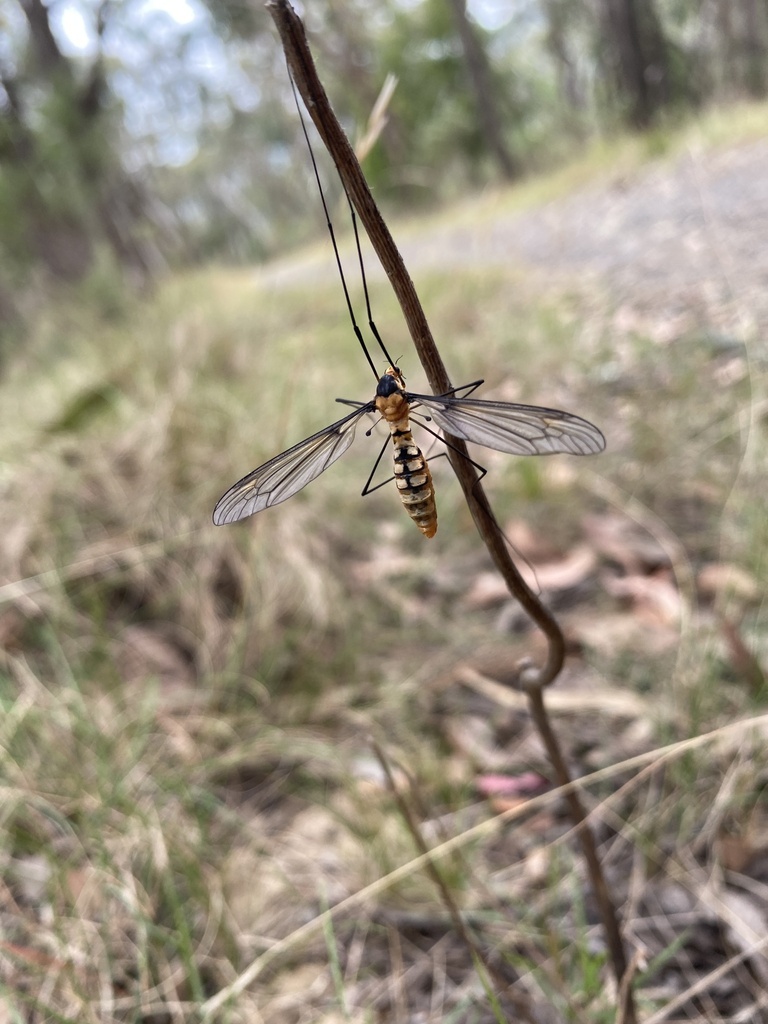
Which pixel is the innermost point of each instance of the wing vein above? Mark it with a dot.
(286, 474)
(509, 427)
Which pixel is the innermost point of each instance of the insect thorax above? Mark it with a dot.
(390, 400)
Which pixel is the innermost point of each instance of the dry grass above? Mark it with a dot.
(188, 784)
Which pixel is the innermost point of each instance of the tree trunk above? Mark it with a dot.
(91, 201)
(755, 48)
(637, 55)
(479, 72)
(50, 60)
(558, 27)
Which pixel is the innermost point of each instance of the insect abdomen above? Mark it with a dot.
(414, 482)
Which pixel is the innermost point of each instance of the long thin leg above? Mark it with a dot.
(442, 455)
(372, 325)
(481, 469)
(360, 405)
(472, 387)
(368, 489)
(421, 421)
(352, 402)
(374, 329)
(329, 225)
(469, 388)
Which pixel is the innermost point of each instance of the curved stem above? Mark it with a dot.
(305, 77)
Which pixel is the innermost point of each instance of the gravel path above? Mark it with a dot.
(685, 236)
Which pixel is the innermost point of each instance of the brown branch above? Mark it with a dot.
(304, 74)
(303, 71)
(586, 839)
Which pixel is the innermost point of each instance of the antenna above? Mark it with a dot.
(329, 225)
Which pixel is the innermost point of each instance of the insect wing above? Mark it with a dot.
(508, 427)
(287, 473)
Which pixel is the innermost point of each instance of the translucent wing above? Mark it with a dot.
(508, 427)
(283, 476)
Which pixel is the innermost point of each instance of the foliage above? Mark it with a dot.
(177, 139)
(47, 201)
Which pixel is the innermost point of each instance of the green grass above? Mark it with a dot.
(186, 772)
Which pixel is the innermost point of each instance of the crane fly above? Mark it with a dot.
(503, 426)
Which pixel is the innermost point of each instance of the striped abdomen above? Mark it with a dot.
(414, 481)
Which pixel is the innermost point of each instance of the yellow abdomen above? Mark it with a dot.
(412, 475)
(414, 481)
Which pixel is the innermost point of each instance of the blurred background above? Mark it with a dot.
(580, 191)
(164, 133)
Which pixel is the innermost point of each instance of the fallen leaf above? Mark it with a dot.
(621, 540)
(489, 589)
(655, 598)
(568, 572)
(527, 542)
(525, 784)
(620, 631)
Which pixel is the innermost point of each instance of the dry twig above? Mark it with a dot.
(534, 681)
